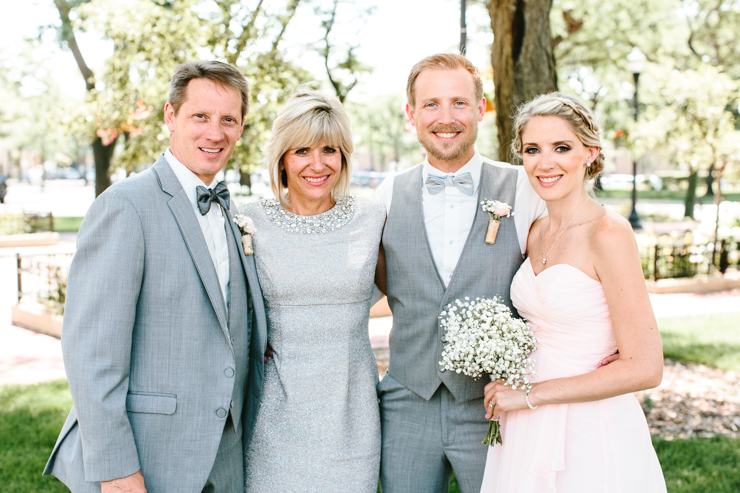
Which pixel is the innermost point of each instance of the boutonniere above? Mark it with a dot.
(246, 226)
(496, 210)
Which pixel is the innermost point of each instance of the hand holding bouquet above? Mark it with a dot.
(483, 337)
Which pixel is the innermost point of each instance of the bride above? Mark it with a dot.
(582, 291)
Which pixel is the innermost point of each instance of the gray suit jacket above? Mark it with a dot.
(147, 348)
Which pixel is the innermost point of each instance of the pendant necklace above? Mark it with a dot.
(544, 255)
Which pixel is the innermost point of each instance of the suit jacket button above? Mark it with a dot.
(221, 413)
(229, 372)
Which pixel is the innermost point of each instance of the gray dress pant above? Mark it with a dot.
(423, 441)
(227, 475)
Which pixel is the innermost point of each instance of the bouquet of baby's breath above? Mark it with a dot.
(483, 337)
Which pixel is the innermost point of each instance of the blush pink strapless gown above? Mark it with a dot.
(594, 447)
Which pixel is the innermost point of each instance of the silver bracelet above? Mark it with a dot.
(526, 398)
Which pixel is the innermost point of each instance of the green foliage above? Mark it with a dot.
(712, 340)
(31, 417)
(152, 38)
(660, 195)
(342, 66)
(700, 465)
(33, 109)
(713, 27)
(378, 126)
(64, 224)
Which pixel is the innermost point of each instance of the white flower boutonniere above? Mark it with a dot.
(497, 210)
(246, 226)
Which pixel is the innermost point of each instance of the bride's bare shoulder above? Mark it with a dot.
(612, 233)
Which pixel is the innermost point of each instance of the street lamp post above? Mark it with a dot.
(636, 63)
(463, 27)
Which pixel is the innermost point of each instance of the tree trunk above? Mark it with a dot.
(103, 154)
(522, 58)
(245, 178)
(708, 181)
(690, 199)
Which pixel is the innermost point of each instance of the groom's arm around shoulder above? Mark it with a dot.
(103, 290)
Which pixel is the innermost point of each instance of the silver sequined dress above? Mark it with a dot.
(318, 427)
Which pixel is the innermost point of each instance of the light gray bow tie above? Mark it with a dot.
(463, 182)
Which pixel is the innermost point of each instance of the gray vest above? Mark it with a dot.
(240, 326)
(416, 293)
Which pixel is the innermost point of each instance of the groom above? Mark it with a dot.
(162, 310)
(434, 253)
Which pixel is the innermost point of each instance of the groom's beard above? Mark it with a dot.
(448, 151)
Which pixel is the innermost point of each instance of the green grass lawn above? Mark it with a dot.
(65, 224)
(700, 465)
(712, 340)
(31, 417)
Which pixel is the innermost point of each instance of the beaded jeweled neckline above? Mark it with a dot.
(331, 220)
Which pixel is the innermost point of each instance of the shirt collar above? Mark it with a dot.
(473, 167)
(187, 178)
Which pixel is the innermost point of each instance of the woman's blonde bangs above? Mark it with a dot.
(306, 119)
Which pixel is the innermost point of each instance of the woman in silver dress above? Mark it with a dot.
(316, 250)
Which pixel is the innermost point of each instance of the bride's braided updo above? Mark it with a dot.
(579, 117)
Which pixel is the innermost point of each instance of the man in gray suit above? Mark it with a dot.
(164, 321)
(434, 253)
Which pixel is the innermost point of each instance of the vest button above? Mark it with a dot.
(229, 372)
(221, 413)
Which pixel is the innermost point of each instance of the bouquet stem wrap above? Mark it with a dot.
(494, 430)
(493, 225)
(247, 244)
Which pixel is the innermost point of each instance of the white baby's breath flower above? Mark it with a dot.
(482, 337)
(245, 224)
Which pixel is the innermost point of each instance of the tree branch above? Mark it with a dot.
(68, 35)
(244, 36)
(284, 21)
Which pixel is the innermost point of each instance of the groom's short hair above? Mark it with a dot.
(443, 61)
(218, 72)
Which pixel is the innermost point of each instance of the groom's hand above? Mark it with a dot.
(129, 484)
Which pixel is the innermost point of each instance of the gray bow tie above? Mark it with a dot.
(206, 196)
(463, 182)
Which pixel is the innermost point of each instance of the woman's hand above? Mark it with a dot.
(504, 398)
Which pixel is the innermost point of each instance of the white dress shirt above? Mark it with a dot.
(212, 223)
(449, 215)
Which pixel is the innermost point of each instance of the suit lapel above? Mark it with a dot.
(250, 270)
(192, 234)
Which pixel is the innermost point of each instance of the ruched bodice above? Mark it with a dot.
(599, 446)
(567, 311)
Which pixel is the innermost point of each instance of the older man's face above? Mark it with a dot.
(206, 128)
(446, 115)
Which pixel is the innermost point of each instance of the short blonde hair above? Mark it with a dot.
(443, 61)
(307, 118)
(578, 116)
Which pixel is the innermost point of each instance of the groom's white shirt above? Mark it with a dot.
(212, 223)
(449, 214)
